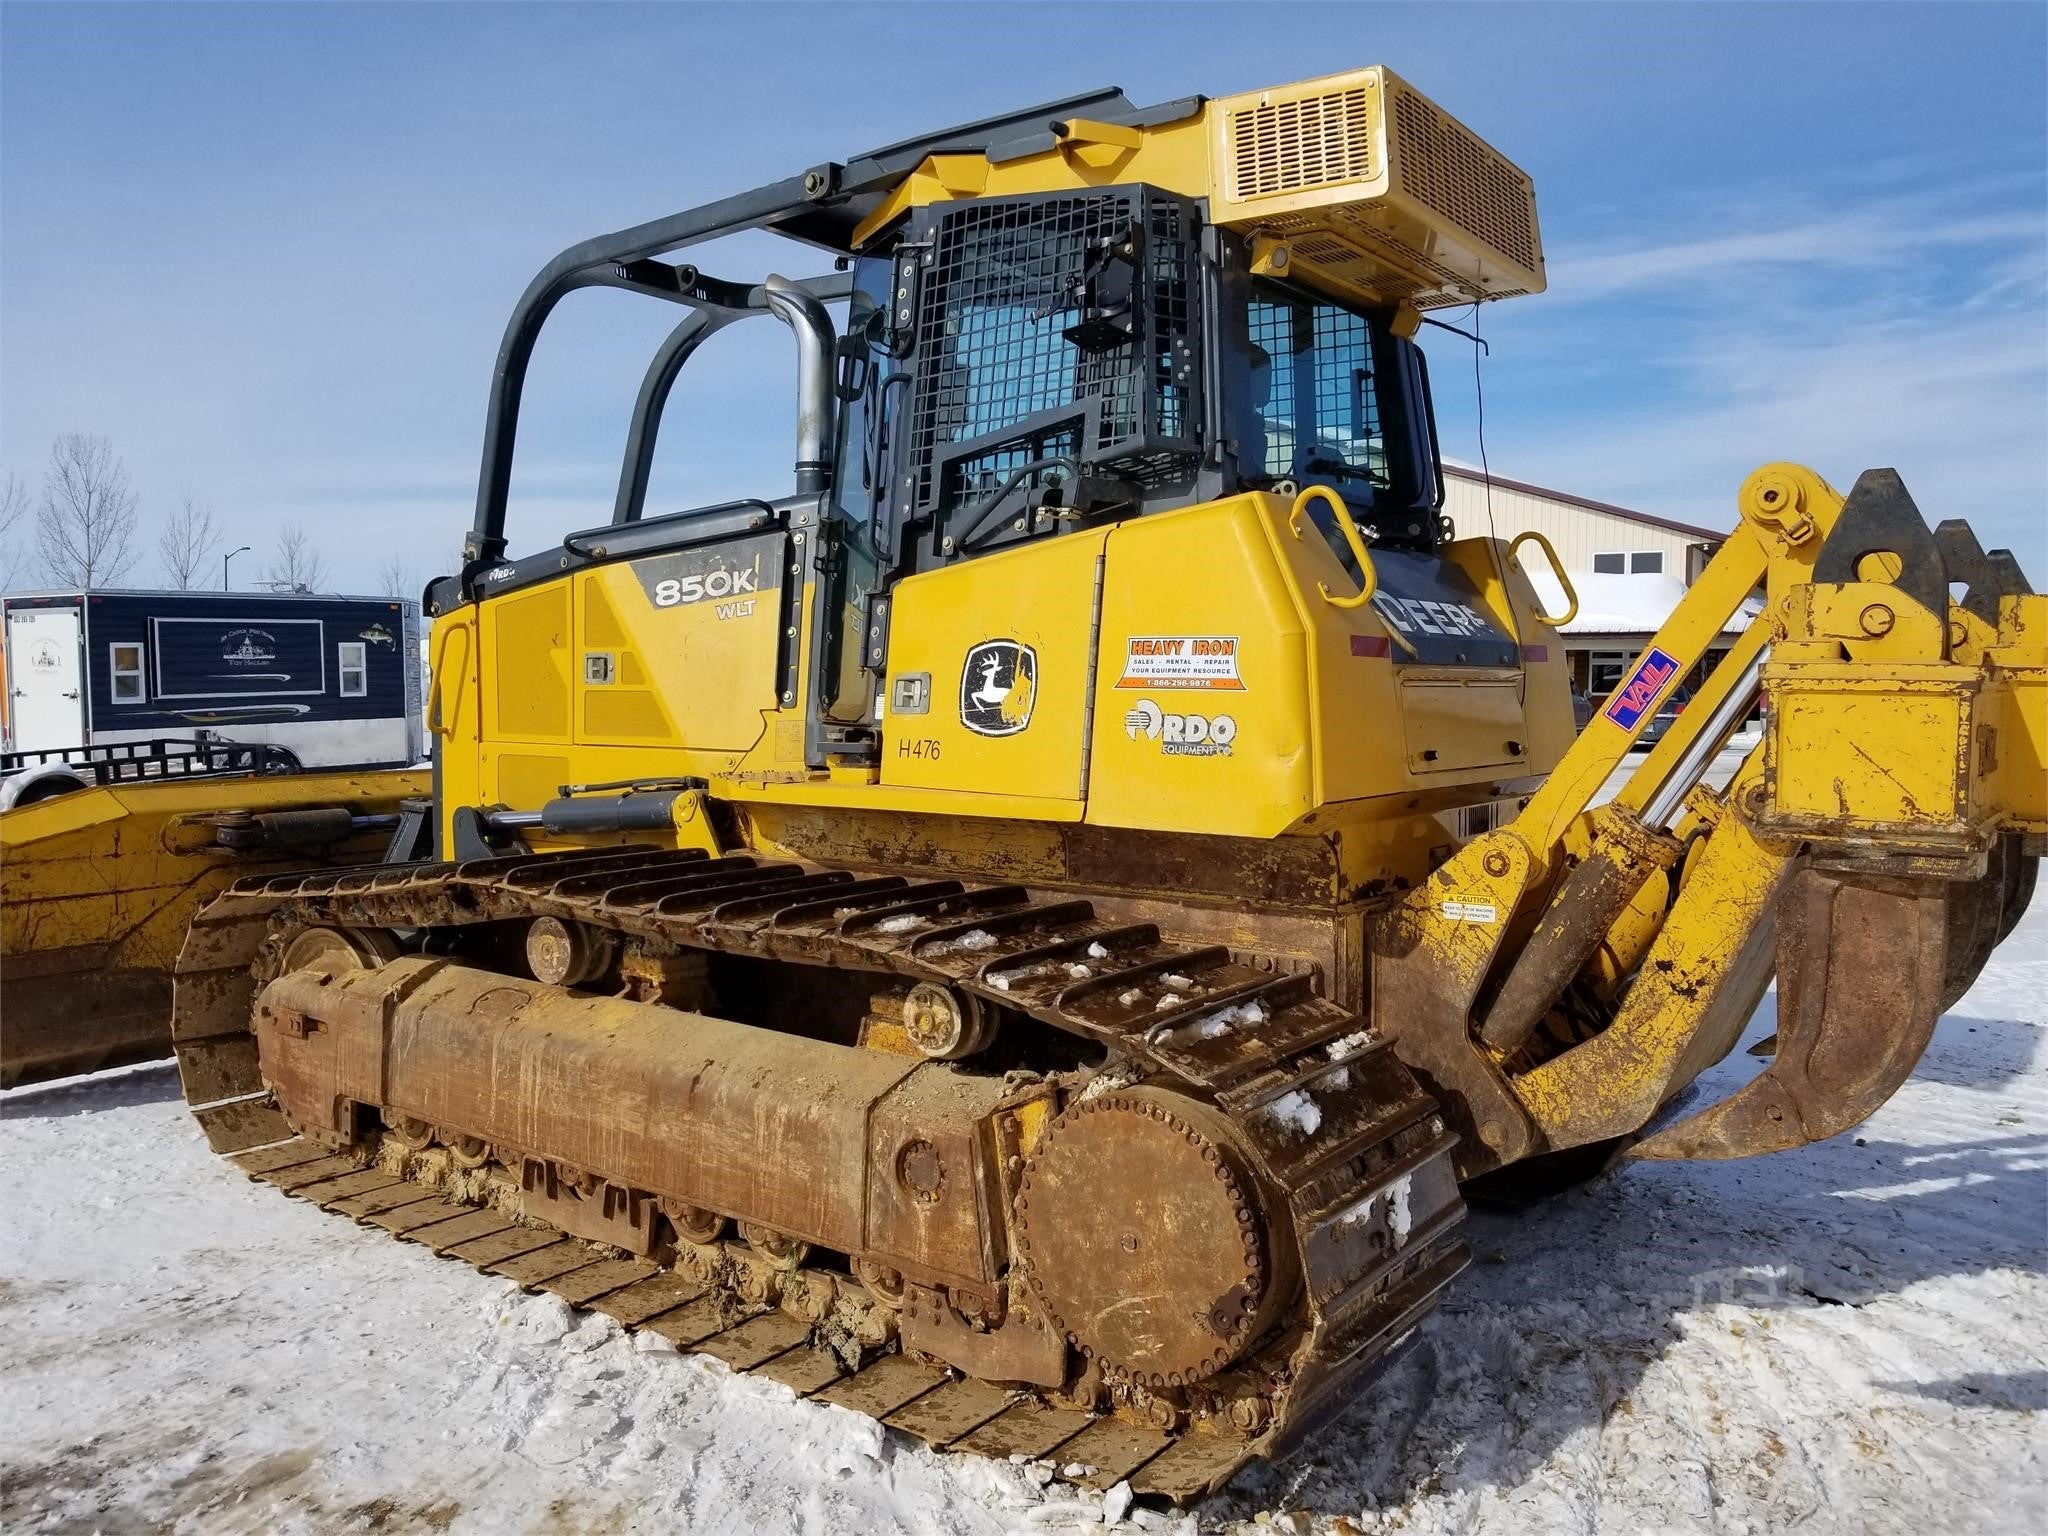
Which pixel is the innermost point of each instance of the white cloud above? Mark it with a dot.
(1904, 218)
(1873, 237)
(1957, 409)
(1888, 330)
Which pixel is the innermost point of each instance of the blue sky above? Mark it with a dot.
(269, 250)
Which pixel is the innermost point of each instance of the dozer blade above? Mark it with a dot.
(98, 888)
(1862, 978)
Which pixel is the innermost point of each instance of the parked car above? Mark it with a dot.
(1582, 709)
(1661, 722)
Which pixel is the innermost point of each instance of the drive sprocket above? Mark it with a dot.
(1146, 1236)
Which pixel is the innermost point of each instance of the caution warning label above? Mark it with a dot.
(1203, 662)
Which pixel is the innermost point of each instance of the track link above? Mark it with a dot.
(935, 1406)
(1338, 1126)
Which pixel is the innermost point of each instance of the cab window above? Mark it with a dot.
(1313, 399)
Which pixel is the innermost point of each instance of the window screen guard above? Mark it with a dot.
(1315, 405)
(1055, 326)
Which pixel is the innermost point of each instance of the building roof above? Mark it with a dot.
(1480, 477)
(1626, 605)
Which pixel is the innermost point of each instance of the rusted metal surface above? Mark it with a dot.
(1426, 977)
(67, 1013)
(934, 1405)
(1592, 895)
(1180, 1224)
(1023, 1348)
(1862, 970)
(1357, 1206)
(766, 1128)
(950, 1410)
(1982, 912)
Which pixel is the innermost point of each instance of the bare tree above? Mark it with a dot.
(187, 544)
(14, 501)
(85, 528)
(297, 566)
(396, 578)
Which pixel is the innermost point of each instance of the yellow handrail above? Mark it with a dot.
(436, 666)
(1369, 581)
(1571, 595)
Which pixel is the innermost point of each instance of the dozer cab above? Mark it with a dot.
(1026, 929)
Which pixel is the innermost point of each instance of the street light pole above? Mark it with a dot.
(224, 559)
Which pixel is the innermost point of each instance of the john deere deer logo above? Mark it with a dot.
(998, 682)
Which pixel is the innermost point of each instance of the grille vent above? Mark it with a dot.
(1310, 141)
(1348, 248)
(1452, 172)
(1377, 189)
(1350, 256)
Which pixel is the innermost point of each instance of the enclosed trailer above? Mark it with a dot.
(322, 681)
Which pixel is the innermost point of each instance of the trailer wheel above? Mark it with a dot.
(49, 789)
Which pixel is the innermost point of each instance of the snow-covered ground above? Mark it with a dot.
(1852, 1338)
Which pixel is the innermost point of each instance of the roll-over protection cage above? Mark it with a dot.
(823, 207)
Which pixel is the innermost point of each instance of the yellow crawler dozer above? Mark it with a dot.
(1026, 931)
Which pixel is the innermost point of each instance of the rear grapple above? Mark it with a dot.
(1243, 1151)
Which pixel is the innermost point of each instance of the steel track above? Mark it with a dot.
(1379, 1142)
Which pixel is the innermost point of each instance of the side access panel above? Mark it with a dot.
(672, 663)
(682, 649)
(990, 667)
